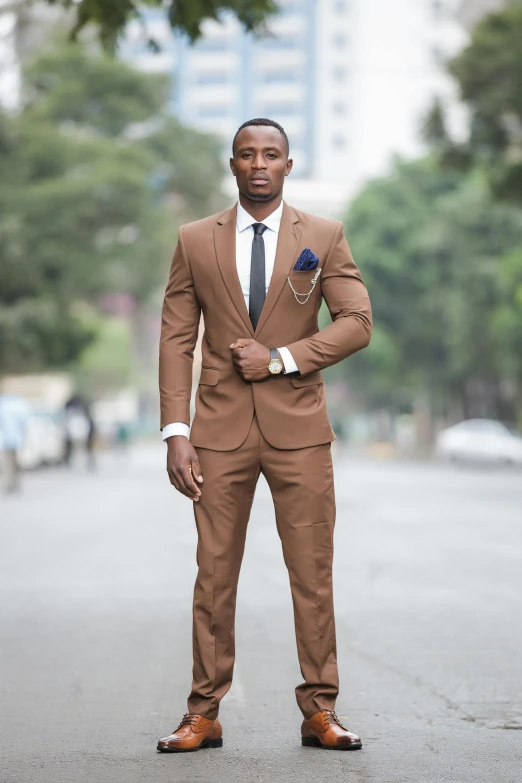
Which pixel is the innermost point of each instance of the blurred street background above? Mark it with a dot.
(405, 122)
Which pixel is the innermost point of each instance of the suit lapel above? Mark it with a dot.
(225, 245)
(287, 246)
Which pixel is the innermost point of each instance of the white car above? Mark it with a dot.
(43, 442)
(479, 439)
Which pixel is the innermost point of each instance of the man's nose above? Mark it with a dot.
(259, 161)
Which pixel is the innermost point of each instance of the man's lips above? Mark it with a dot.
(259, 180)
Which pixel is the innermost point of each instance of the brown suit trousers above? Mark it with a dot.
(301, 483)
(278, 426)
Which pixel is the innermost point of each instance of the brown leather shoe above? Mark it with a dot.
(193, 733)
(324, 730)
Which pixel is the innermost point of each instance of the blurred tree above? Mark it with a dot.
(446, 286)
(87, 168)
(489, 74)
(111, 16)
(68, 85)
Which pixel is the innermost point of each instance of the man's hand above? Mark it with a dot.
(251, 359)
(183, 466)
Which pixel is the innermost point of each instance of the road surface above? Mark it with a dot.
(96, 574)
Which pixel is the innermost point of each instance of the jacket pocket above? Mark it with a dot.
(302, 273)
(307, 380)
(209, 376)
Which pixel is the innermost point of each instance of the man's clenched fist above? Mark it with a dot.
(251, 359)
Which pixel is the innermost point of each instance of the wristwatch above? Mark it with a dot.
(276, 365)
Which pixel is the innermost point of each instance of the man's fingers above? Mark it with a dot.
(241, 342)
(189, 482)
(196, 470)
(182, 489)
(173, 480)
(178, 480)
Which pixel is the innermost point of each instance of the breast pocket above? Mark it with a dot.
(304, 285)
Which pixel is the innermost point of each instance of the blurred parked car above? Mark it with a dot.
(44, 441)
(479, 439)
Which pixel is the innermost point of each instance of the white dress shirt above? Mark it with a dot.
(244, 237)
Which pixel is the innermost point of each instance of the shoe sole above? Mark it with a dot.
(217, 743)
(312, 742)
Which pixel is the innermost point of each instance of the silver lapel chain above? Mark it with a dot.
(307, 296)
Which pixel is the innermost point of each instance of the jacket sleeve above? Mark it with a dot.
(349, 305)
(179, 333)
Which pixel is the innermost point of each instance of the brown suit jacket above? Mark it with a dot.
(291, 409)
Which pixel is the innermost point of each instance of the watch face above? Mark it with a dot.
(275, 366)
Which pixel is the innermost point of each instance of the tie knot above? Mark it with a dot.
(258, 228)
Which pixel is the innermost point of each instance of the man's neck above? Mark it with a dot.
(260, 210)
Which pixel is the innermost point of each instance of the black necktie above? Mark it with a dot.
(257, 274)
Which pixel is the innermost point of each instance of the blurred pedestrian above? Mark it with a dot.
(122, 436)
(79, 430)
(259, 273)
(14, 415)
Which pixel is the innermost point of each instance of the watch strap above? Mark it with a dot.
(274, 356)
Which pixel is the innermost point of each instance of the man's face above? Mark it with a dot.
(260, 163)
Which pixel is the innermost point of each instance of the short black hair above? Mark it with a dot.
(262, 121)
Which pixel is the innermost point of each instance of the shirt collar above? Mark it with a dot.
(273, 221)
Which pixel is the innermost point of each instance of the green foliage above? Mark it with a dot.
(190, 165)
(87, 168)
(186, 16)
(89, 92)
(107, 361)
(489, 75)
(37, 333)
(437, 255)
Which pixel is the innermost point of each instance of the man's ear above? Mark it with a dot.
(289, 164)
(232, 166)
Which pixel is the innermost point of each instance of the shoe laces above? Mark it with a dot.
(189, 719)
(331, 718)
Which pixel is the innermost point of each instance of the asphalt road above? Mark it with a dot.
(96, 576)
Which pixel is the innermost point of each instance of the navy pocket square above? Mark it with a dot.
(306, 261)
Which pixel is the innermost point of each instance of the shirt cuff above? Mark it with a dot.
(177, 428)
(288, 361)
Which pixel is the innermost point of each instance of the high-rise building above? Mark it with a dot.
(398, 58)
(23, 29)
(229, 76)
(9, 65)
(349, 80)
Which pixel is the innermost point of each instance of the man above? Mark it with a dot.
(258, 273)
(80, 431)
(14, 416)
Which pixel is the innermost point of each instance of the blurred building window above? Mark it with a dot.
(213, 77)
(339, 40)
(338, 142)
(437, 7)
(339, 108)
(340, 6)
(215, 110)
(339, 74)
(213, 44)
(288, 8)
(279, 42)
(281, 109)
(280, 77)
